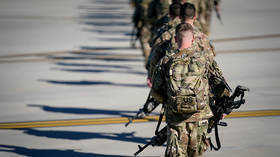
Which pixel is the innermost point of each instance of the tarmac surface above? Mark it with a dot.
(69, 79)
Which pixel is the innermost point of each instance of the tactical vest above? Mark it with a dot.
(186, 81)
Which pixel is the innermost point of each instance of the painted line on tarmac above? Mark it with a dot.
(119, 120)
(44, 54)
(58, 56)
(249, 50)
(63, 58)
(55, 56)
(247, 38)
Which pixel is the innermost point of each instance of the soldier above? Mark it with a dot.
(143, 25)
(172, 19)
(169, 46)
(205, 8)
(165, 43)
(158, 9)
(183, 81)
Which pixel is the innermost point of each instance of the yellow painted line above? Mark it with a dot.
(118, 120)
(72, 122)
(260, 113)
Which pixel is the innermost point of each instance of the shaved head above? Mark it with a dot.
(184, 34)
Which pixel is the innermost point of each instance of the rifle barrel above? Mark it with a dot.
(142, 148)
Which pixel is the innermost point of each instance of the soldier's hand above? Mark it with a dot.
(217, 5)
(149, 82)
(223, 116)
(140, 114)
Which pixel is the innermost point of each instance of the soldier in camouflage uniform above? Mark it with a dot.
(172, 19)
(166, 42)
(205, 8)
(143, 25)
(158, 9)
(204, 11)
(183, 81)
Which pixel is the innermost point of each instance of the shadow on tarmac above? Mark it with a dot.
(100, 71)
(99, 8)
(105, 31)
(105, 15)
(95, 83)
(92, 53)
(76, 135)
(105, 48)
(101, 20)
(30, 152)
(108, 24)
(104, 59)
(92, 65)
(105, 67)
(114, 39)
(72, 110)
(113, 3)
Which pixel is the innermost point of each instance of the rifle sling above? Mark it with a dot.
(160, 119)
(217, 139)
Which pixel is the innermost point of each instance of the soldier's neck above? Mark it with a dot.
(185, 46)
(189, 21)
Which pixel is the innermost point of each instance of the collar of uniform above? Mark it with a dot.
(183, 53)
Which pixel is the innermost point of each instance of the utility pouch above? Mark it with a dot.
(187, 104)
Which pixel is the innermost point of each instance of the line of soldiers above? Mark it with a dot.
(151, 15)
(182, 75)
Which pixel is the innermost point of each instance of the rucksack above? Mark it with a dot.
(186, 81)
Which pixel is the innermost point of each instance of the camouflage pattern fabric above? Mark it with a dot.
(143, 25)
(205, 8)
(187, 139)
(164, 34)
(158, 43)
(181, 79)
(166, 45)
(158, 9)
(203, 13)
(144, 38)
(162, 25)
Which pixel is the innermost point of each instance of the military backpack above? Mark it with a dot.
(186, 81)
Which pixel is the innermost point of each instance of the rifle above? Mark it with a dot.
(224, 106)
(219, 108)
(217, 11)
(148, 107)
(158, 140)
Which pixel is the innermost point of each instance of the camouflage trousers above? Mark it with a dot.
(144, 38)
(204, 16)
(187, 139)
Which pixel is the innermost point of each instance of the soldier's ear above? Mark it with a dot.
(192, 38)
(194, 18)
(176, 39)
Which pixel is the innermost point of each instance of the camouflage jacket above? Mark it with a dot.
(163, 30)
(168, 46)
(140, 15)
(158, 8)
(214, 78)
